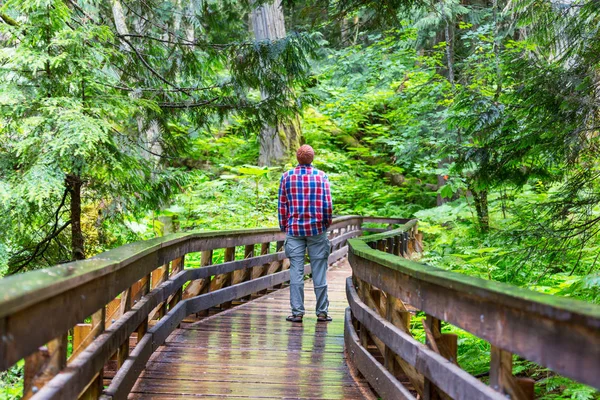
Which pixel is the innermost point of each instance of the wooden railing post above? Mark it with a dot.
(389, 358)
(177, 266)
(502, 379)
(282, 262)
(397, 244)
(123, 351)
(389, 245)
(44, 364)
(364, 335)
(431, 324)
(241, 275)
(94, 389)
(229, 256)
(161, 276)
(205, 260)
(144, 290)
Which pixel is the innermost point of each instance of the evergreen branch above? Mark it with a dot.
(149, 67)
(179, 89)
(82, 11)
(187, 42)
(188, 105)
(8, 20)
(38, 249)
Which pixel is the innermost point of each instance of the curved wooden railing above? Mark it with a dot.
(133, 296)
(388, 288)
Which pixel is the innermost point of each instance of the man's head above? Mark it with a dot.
(305, 154)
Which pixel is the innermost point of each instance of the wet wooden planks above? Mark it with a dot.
(251, 352)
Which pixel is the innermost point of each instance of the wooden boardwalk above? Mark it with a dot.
(250, 351)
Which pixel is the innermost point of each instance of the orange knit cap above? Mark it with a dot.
(305, 154)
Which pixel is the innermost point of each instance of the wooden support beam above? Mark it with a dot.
(261, 270)
(390, 245)
(363, 290)
(177, 265)
(80, 333)
(375, 304)
(94, 389)
(205, 260)
(43, 365)
(123, 351)
(502, 379)
(389, 358)
(280, 247)
(162, 276)
(144, 290)
(431, 324)
(397, 245)
(229, 256)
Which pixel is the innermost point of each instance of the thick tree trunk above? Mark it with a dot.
(74, 184)
(276, 142)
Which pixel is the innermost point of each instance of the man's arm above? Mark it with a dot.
(282, 205)
(327, 203)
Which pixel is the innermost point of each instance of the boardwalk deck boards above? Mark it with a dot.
(251, 352)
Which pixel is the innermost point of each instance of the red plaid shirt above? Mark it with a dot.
(305, 207)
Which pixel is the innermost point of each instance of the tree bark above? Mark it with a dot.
(74, 185)
(276, 142)
(480, 199)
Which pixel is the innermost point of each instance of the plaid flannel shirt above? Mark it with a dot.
(305, 207)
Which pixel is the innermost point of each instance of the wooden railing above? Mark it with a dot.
(387, 289)
(132, 298)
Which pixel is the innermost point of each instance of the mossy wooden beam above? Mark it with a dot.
(559, 333)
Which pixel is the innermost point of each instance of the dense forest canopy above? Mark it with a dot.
(125, 119)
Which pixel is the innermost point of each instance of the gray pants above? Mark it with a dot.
(318, 251)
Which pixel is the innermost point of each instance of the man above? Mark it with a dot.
(305, 212)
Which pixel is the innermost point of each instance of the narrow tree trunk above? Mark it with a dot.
(481, 206)
(276, 142)
(74, 184)
(450, 52)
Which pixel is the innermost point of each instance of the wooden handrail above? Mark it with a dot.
(63, 296)
(559, 333)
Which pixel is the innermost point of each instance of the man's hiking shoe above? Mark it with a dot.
(323, 318)
(294, 318)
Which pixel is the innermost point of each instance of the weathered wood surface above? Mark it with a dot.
(559, 333)
(442, 372)
(250, 351)
(386, 385)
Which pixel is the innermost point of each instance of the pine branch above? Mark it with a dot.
(38, 248)
(8, 20)
(149, 67)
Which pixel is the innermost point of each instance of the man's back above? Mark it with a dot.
(305, 207)
(305, 212)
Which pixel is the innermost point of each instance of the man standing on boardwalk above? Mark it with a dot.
(305, 212)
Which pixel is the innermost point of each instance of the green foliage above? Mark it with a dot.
(11, 382)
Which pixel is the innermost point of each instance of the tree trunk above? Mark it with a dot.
(119, 18)
(481, 206)
(74, 184)
(276, 142)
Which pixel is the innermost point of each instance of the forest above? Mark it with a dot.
(124, 120)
